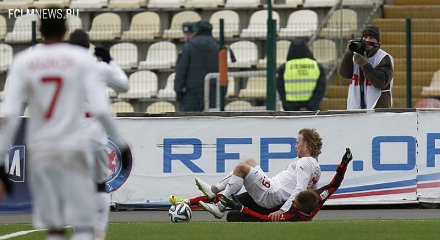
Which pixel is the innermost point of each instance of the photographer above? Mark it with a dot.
(370, 70)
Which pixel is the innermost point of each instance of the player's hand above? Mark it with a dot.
(276, 216)
(231, 202)
(103, 53)
(360, 59)
(347, 156)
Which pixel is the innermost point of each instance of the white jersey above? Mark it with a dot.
(300, 175)
(55, 78)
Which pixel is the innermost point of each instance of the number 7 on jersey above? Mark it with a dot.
(58, 84)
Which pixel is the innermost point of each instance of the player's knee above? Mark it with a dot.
(251, 162)
(241, 169)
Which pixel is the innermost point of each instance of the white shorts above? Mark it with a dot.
(101, 171)
(262, 189)
(62, 190)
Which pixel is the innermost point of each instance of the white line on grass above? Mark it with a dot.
(16, 234)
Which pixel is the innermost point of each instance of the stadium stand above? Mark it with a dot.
(160, 107)
(144, 25)
(301, 23)
(143, 84)
(166, 3)
(3, 27)
(125, 55)
(160, 55)
(433, 90)
(105, 26)
(168, 90)
(86, 4)
(118, 107)
(246, 54)
(288, 4)
(324, 51)
(46, 3)
(342, 23)
(258, 24)
(127, 4)
(14, 4)
(204, 3)
(255, 88)
(242, 3)
(73, 23)
(111, 93)
(6, 56)
(175, 30)
(238, 105)
(22, 31)
(282, 50)
(231, 88)
(319, 3)
(231, 23)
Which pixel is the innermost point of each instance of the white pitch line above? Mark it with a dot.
(16, 234)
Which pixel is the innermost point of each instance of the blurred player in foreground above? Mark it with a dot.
(56, 78)
(111, 74)
(304, 208)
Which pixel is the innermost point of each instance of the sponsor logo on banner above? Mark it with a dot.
(118, 173)
(16, 163)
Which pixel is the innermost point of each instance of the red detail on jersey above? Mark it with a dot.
(58, 84)
(265, 182)
(88, 115)
(356, 80)
(61, 63)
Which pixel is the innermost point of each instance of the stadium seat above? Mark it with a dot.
(73, 23)
(166, 3)
(168, 91)
(231, 23)
(363, 3)
(14, 4)
(125, 55)
(127, 4)
(22, 30)
(111, 93)
(255, 87)
(258, 24)
(3, 27)
(319, 3)
(204, 3)
(105, 26)
(143, 84)
(5, 56)
(231, 88)
(144, 25)
(282, 50)
(175, 30)
(88, 3)
(302, 23)
(428, 103)
(47, 3)
(238, 105)
(246, 54)
(118, 107)
(324, 51)
(289, 4)
(160, 107)
(342, 23)
(242, 3)
(160, 55)
(434, 88)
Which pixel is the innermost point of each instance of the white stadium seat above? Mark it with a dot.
(282, 50)
(88, 3)
(242, 3)
(46, 3)
(143, 84)
(168, 91)
(342, 23)
(166, 3)
(258, 24)
(302, 23)
(324, 51)
(434, 88)
(127, 4)
(231, 23)
(160, 55)
(144, 25)
(73, 23)
(121, 107)
(319, 3)
(204, 3)
(5, 56)
(255, 87)
(105, 26)
(175, 30)
(125, 55)
(160, 107)
(289, 4)
(22, 31)
(246, 54)
(238, 105)
(14, 4)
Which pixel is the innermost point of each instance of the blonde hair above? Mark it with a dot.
(313, 140)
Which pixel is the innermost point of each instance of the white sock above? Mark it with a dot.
(221, 185)
(102, 211)
(55, 237)
(83, 235)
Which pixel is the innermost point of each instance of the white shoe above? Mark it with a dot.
(212, 208)
(205, 188)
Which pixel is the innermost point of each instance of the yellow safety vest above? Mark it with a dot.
(300, 79)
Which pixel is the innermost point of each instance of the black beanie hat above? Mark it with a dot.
(372, 31)
(187, 27)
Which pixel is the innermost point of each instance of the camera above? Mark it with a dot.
(358, 45)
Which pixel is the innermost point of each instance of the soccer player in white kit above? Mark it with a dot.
(56, 78)
(270, 193)
(111, 74)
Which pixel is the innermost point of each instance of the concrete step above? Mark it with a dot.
(418, 64)
(411, 11)
(417, 51)
(398, 24)
(417, 38)
(417, 78)
(418, 2)
(398, 91)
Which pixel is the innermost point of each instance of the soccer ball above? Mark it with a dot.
(180, 212)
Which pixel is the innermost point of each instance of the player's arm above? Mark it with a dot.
(114, 76)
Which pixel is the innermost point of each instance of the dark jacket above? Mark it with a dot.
(380, 76)
(299, 49)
